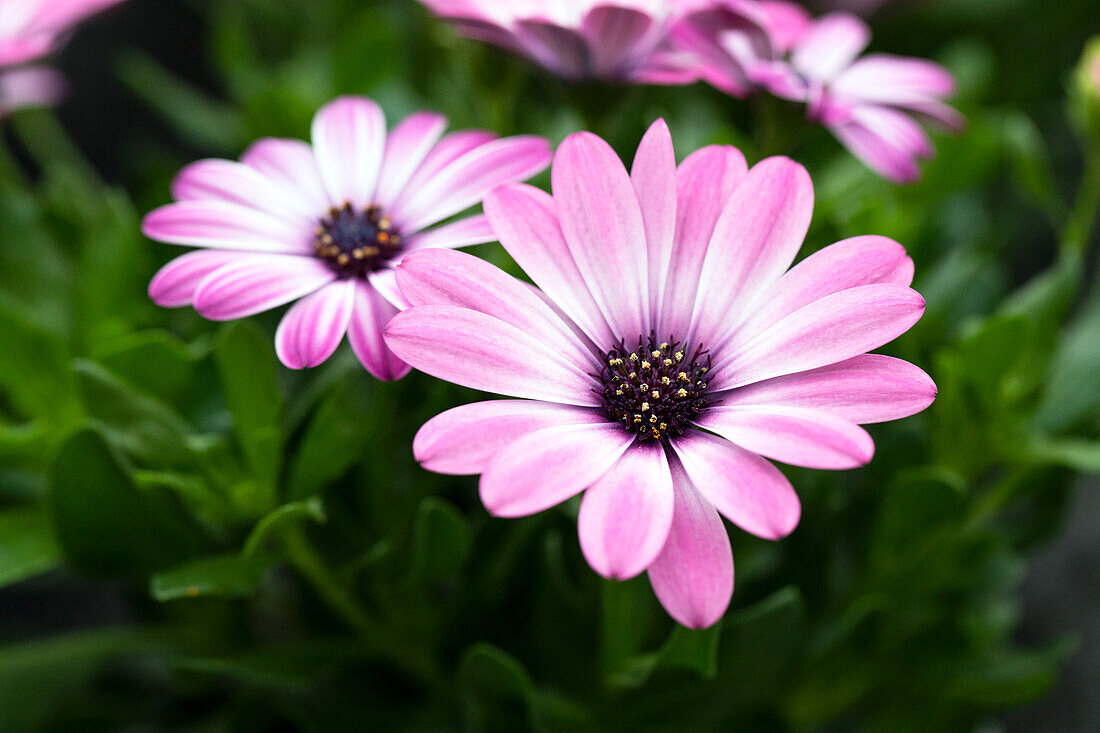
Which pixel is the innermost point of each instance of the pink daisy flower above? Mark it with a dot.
(29, 30)
(666, 354)
(868, 103)
(325, 225)
(616, 40)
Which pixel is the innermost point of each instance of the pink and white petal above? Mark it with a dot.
(864, 260)
(887, 141)
(29, 86)
(827, 331)
(562, 50)
(626, 515)
(618, 37)
(654, 178)
(693, 575)
(462, 440)
(292, 166)
(525, 221)
(449, 277)
(452, 147)
(794, 435)
(407, 144)
(830, 45)
(602, 222)
(894, 80)
(253, 283)
(747, 489)
(237, 183)
(869, 388)
(314, 326)
(349, 138)
(482, 352)
(462, 233)
(369, 316)
(704, 183)
(755, 240)
(222, 225)
(385, 282)
(938, 114)
(466, 180)
(174, 284)
(546, 467)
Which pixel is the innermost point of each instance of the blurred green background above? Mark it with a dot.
(194, 538)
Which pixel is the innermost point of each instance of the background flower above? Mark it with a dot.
(667, 314)
(325, 225)
(30, 30)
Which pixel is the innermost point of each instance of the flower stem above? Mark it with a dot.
(1079, 226)
(411, 660)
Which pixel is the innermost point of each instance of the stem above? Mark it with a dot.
(48, 143)
(410, 660)
(1078, 230)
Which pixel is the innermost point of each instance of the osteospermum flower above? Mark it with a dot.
(869, 103)
(30, 30)
(667, 354)
(325, 224)
(616, 40)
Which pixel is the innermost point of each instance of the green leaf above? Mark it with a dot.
(1027, 152)
(441, 542)
(156, 360)
(38, 679)
(693, 650)
(291, 513)
(489, 672)
(339, 434)
(1070, 395)
(246, 365)
(224, 575)
(27, 545)
(1078, 454)
(104, 523)
(146, 429)
(34, 370)
(762, 642)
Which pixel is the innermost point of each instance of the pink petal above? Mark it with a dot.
(829, 330)
(794, 435)
(314, 326)
(349, 138)
(704, 183)
(865, 389)
(452, 147)
(894, 80)
(447, 277)
(29, 86)
(548, 466)
(846, 264)
(174, 284)
(465, 181)
(482, 352)
(525, 221)
(602, 222)
(562, 50)
(237, 183)
(369, 316)
(222, 225)
(755, 240)
(618, 38)
(385, 282)
(693, 575)
(408, 143)
(461, 441)
(253, 283)
(747, 489)
(887, 141)
(830, 45)
(626, 515)
(654, 178)
(291, 165)
(461, 233)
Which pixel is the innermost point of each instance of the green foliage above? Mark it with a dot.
(284, 563)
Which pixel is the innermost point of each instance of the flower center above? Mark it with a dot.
(356, 243)
(656, 390)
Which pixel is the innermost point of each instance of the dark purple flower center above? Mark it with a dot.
(355, 243)
(656, 390)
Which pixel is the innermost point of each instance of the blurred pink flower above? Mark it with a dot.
(325, 224)
(665, 355)
(616, 40)
(29, 30)
(869, 103)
